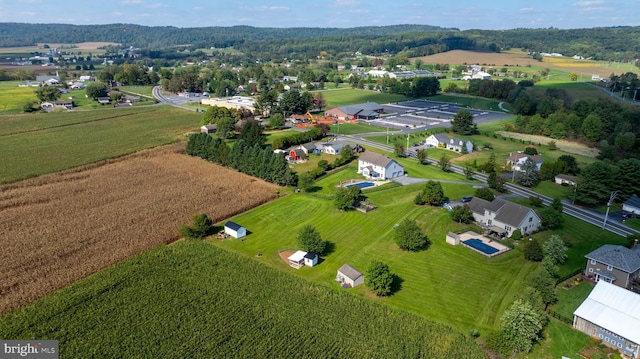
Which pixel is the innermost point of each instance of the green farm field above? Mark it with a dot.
(35, 144)
(193, 300)
(13, 98)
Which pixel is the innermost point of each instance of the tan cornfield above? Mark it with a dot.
(59, 228)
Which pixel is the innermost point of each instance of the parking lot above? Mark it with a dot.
(423, 114)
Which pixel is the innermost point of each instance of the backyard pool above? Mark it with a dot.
(362, 185)
(476, 243)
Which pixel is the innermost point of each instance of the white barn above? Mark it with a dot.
(611, 314)
(235, 230)
(349, 276)
(376, 166)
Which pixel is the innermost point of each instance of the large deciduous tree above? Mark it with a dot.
(555, 249)
(47, 93)
(96, 89)
(379, 278)
(528, 174)
(463, 124)
(309, 240)
(432, 194)
(521, 326)
(409, 237)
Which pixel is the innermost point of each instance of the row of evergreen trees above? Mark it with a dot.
(253, 160)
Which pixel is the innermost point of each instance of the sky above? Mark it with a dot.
(461, 14)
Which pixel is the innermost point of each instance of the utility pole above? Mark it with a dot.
(606, 216)
(407, 143)
(575, 189)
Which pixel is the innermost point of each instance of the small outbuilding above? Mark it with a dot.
(296, 260)
(209, 128)
(310, 259)
(235, 230)
(349, 276)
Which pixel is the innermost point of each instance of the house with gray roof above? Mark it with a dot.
(504, 217)
(632, 205)
(442, 140)
(349, 276)
(517, 159)
(364, 111)
(379, 167)
(614, 264)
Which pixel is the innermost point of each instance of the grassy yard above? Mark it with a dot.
(138, 90)
(36, 144)
(348, 96)
(570, 299)
(468, 101)
(356, 128)
(444, 283)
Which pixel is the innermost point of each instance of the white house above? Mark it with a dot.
(376, 166)
(235, 230)
(632, 205)
(333, 148)
(611, 314)
(349, 276)
(441, 140)
(517, 159)
(565, 179)
(504, 217)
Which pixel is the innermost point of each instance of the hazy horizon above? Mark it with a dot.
(462, 14)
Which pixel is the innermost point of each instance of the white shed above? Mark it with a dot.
(349, 276)
(235, 230)
(310, 259)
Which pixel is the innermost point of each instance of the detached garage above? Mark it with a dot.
(235, 230)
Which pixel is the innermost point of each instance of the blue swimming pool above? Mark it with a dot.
(362, 185)
(479, 245)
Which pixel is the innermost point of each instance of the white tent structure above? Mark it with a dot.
(612, 314)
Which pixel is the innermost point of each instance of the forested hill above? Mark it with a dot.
(19, 34)
(605, 43)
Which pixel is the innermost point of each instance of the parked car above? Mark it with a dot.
(466, 199)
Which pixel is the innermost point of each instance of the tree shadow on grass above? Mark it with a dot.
(329, 248)
(396, 285)
(313, 189)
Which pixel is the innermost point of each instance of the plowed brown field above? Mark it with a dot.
(59, 228)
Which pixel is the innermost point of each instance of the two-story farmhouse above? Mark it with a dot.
(516, 160)
(614, 264)
(441, 140)
(611, 314)
(504, 217)
(379, 167)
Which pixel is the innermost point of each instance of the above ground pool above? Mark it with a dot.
(362, 185)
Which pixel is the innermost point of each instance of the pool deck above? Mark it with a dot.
(497, 245)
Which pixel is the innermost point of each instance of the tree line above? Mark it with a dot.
(252, 159)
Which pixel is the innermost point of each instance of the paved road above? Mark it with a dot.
(587, 215)
(174, 100)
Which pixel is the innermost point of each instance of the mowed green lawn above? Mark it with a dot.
(448, 284)
(342, 97)
(35, 144)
